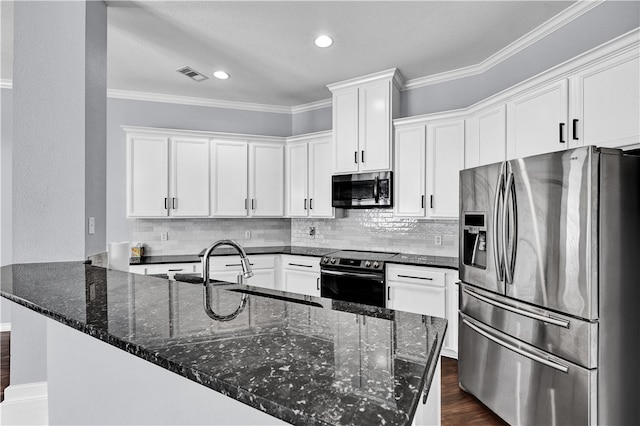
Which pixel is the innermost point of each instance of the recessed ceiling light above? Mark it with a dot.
(221, 75)
(324, 41)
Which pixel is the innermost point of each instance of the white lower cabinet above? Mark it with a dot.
(426, 291)
(301, 274)
(228, 268)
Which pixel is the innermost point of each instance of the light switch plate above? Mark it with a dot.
(92, 225)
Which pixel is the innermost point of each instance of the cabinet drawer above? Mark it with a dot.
(417, 298)
(232, 263)
(179, 268)
(415, 275)
(301, 263)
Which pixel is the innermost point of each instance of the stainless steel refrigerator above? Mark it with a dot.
(549, 325)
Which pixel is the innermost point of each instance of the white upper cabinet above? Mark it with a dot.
(308, 167)
(247, 179)
(428, 158)
(409, 176)
(486, 137)
(296, 186)
(229, 171)
(537, 121)
(147, 175)
(362, 112)
(266, 179)
(605, 102)
(445, 159)
(189, 183)
(167, 176)
(320, 169)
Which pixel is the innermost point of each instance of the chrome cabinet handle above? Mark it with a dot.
(562, 133)
(166, 203)
(431, 200)
(310, 203)
(299, 264)
(515, 310)
(305, 203)
(575, 129)
(173, 203)
(253, 204)
(318, 282)
(237, 264)
(497, 255)
(422, 203)
(516, 349)
(245, 203)
(355, 157)
(362, 158)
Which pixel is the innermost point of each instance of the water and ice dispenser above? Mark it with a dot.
(475, 240)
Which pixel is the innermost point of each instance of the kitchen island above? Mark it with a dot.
(148, 344)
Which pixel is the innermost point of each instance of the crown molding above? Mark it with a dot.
(563, 18)
(311, 106)
(6, 84)
(188, 100)
(309, 136)
(167, 132)
(392, 74)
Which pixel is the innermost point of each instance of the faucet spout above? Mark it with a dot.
(244, 260)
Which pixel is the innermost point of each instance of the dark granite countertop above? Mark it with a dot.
(302, 359)
(402, 258)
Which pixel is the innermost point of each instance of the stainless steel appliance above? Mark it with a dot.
(364, 190)
(355, 276)
(550, 293)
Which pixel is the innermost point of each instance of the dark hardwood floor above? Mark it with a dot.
(5, 357)
(458, 407)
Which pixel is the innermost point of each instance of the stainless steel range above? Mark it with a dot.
(355, 276)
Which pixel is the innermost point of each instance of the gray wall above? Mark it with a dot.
(6, 115)
(316, 120)
(599, 25)
(121, 112)
(49, 123)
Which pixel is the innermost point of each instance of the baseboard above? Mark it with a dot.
(5, 326)
(25, 405)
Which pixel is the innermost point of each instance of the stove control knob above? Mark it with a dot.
(376, 264)
(333, 260)
(367, 264)
(325, 260)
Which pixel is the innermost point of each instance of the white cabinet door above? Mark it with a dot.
(189, 183)
(147, 176)
(266, 179)
(537, 121)
(374, 126)
(606, 103)
(445, 159)
(409, 176)
(301, 282)
(265, 278)
(417, 298)
(296, 180)
(229, 161)
(486, 137)
(345, 131)
(320, 170)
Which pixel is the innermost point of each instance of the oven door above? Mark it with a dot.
(350, 286)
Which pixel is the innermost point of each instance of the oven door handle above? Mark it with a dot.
(352, 274)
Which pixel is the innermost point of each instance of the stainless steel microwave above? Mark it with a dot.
(362, 190)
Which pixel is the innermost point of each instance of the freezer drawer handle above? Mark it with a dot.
(516, 349)
(515, 310)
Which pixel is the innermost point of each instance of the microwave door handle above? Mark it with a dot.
(497, 252)
(375, 190)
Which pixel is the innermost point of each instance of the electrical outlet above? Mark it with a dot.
(247, 235)
(312, 231)
(438, 240)
(164, 236)
(92, 225)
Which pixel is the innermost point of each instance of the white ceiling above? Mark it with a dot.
(267, 46)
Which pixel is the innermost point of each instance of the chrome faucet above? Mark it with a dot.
(246, 273)
(244, 260)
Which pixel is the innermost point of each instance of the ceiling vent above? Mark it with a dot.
(191, 73)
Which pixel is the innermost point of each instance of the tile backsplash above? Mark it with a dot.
(378, 230)
(367, 229)
(190, 236)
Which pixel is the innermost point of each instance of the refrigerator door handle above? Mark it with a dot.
(516, 349)
(497, 254)
(523, 312)
(506, 208)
